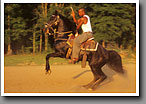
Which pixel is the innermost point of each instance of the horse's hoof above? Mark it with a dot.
(48, 72)
(90, 89)
(85, 86)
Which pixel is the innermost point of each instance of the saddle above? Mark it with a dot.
(89, 45)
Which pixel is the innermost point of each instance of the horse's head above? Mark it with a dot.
(59, 26)
(52, 24)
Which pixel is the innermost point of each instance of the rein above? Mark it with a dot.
(63, 32)
(54, 30)
(60, 39)
(59, 32)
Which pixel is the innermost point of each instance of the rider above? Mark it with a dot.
(84, 23)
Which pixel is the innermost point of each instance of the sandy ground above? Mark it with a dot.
(65, 79)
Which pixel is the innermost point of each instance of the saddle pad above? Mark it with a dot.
(90, 47)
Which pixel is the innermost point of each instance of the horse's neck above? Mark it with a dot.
(61, 26)
(61, 29)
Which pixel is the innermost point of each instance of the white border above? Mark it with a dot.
(70, 1)
(70, 94)
(137, 47)
(2, 48)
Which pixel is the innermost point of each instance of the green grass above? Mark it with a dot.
(128, 61)
(38, 59)
(128, 56)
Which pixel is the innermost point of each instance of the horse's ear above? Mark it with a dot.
(56, 12)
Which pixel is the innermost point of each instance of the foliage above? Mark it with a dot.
(110, 22)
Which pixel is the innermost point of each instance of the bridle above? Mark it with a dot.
(55, 22)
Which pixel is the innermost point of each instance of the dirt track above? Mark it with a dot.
(65, 78)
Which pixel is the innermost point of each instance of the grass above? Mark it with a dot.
(128, 56)
(39, 59)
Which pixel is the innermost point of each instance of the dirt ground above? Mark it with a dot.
(65, 79)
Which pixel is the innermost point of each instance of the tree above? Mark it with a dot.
(111, 21)
(24, 22)
(8, 9)
(15, 27)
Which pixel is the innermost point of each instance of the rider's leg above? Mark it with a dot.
(77, 42)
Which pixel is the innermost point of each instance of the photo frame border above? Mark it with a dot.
(70, 94)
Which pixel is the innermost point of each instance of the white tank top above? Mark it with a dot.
(87, 27)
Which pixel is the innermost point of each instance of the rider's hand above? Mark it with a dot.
(76, 34)
(73, 13)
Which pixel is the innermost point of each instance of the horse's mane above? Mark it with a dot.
(69, 24)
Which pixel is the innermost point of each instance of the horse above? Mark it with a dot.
(96, 59)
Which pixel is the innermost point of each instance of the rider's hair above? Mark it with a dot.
(82, 9)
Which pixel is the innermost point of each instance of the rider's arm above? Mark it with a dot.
(73, 15)
(81, 21)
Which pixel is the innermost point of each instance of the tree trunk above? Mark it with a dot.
(46, 10)
(43, 8)
(9, 52)
(46, 42)
(34, 48)
(45, 17)
(9, 47)
(40, 41)
(22, 49)
(56, 4)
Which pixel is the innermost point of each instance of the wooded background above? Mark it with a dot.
(111, 24)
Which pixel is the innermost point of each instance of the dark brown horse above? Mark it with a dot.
(96, 59)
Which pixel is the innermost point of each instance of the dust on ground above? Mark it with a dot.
(66, 79)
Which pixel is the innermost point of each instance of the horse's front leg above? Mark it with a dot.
(57, 54)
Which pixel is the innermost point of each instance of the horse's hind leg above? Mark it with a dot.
(102, 77)
(90, 84)
(95, 75)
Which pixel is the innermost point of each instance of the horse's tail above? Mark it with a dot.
(115, 62)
